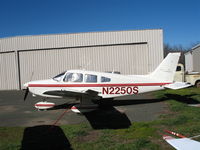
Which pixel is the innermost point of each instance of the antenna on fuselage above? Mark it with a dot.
(31, 76)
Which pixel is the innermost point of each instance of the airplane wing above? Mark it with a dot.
(89, 93)
(177, 85)
(182, 143)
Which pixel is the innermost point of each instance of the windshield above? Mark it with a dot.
(58, 77)
(73, 77)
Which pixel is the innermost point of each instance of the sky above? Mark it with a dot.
(179, 19)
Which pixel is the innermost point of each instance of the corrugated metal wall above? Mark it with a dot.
(43, 56)
(153, 37)
(196, 60)
(8, 71)
(36, 65)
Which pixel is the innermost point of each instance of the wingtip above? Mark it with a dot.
(167, 137)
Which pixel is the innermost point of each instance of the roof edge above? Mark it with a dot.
(77, 33)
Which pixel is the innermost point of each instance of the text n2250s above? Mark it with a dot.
(120, 90)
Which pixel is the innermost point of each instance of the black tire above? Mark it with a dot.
(197, 84)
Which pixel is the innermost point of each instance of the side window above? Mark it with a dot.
(90, 78)
(178, 68)
(105, 79)
(73, 77)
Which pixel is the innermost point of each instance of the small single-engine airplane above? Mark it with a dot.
(182, 143)
(88, 86)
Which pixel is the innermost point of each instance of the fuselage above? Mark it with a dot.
(107, 85)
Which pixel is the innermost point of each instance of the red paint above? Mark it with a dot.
(73, 107)
(97, 85)
(120, 90)
(176, 134)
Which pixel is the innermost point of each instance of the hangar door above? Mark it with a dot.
(43, 64)
(8, 71)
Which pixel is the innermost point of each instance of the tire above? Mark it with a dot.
(197, 84)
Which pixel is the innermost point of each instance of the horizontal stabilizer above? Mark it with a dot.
(177, 85)
(182, 143)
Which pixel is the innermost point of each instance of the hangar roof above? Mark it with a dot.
(195, 47)
(51, 41)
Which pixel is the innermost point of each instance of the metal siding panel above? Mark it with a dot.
(8, 72)
(42, 64)
(196, 60)
(188, 62)
(46, 63)
(77, 39)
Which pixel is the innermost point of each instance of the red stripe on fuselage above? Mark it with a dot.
(97, 85)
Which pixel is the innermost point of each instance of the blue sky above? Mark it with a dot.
(180, 19)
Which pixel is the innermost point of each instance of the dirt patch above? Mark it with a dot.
(8, 108)
(91, 136)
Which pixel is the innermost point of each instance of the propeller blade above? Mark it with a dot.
(26, 93)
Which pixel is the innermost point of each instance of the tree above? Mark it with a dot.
(172, 49)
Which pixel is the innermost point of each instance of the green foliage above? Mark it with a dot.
(10, 146)
(183, 118)
(136, 130)
(139, 144)
(73, 131)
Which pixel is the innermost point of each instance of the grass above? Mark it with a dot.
(179, 117)
(10, 138)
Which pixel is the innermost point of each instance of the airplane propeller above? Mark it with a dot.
(26, 93)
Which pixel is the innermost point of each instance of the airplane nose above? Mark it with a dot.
(26, 84)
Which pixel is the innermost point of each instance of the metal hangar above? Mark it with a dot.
(25, 58)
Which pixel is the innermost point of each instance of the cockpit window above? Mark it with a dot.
(58, 77)
(90, 78)
(73, 77)
(105, 79)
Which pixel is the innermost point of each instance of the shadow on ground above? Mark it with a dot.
(45, 137)
(124, 102)
(108, 103)
(107, 118)
(187, 99)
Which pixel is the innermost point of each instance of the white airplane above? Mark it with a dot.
(181, 143)
(91, 85)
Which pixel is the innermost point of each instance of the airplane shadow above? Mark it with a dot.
(44, 137)
(107, 118)
(63, 106)
(187, 99)
(108, 103)
(124, 102)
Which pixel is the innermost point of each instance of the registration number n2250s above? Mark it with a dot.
(120, 90)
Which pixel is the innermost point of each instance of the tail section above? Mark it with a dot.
(166, 70)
